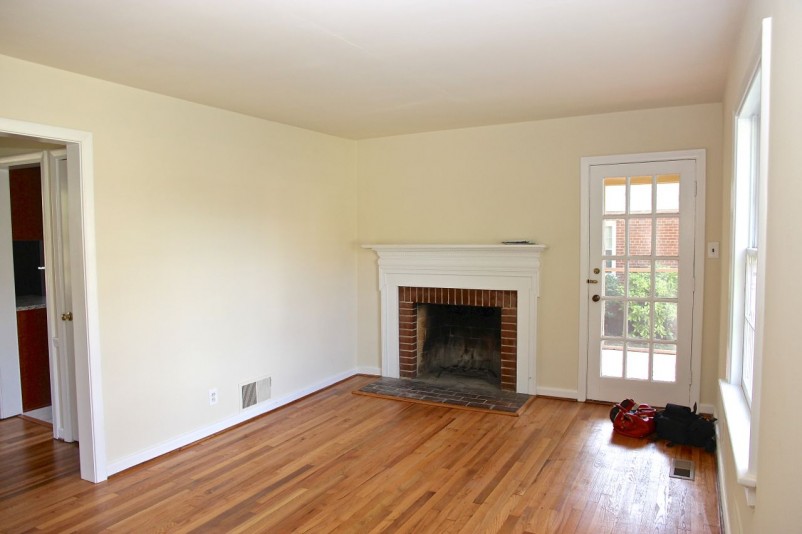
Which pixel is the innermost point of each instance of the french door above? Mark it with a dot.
(640, 281)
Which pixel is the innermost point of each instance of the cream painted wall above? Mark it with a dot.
(779, 464)
(484, 185)
(225, 250)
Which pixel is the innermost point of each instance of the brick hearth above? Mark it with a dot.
(410, 297)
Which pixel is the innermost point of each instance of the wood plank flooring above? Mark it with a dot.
(338, 462)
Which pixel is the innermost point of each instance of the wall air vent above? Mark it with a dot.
(255, 392)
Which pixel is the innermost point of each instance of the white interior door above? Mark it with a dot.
(641, 281)
(59, 299)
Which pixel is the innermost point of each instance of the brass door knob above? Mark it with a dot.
(66, 316)
(596, 298)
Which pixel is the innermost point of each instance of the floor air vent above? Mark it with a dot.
(253, 393)
(682, 469)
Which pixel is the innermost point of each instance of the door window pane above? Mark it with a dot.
(640, 278)
(664, 366)
(640, 194)
(640, 236)
(613, 280)
(612, 359)
(668, 193)
(639, 320)
(665, 320)
(615, 195)
(613, 243)
(638, 361)
(666, 279)
(667, 236)
(614, 318)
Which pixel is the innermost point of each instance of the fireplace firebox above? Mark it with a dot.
(471, 342)
(469, 332)
(460, 342)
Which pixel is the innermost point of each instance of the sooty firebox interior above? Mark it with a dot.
(462, 342)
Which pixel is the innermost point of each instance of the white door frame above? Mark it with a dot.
(92, 449)
(62, 374)
(10, 383)
(699, 157)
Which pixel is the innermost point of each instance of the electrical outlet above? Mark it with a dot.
(712, 249)
(212, 396)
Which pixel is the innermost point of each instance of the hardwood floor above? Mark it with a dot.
(337, 462)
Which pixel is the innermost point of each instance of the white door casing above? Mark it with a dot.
(647, 355)
(10, 384)
(83, 281)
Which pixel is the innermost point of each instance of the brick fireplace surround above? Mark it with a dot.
(410, 297)
(505, 276)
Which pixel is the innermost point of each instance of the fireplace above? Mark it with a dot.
(506, 277)
(461, 332)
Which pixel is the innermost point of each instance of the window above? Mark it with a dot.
(740, 390)
(746, 239)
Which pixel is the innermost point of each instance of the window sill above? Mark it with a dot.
(738, 417)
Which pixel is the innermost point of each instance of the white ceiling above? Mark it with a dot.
(368, 68)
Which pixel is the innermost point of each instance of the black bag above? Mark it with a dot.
(683, 426)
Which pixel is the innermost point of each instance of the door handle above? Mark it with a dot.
(66, 316)
(590, 281)
(595, 298)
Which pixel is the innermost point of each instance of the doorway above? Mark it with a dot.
(38, 184)
(31, 286)
(78, 158)
(641, 316)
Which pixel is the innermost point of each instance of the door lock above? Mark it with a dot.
(66, 316)
(595, 298)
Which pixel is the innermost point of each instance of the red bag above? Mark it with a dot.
(635, 422)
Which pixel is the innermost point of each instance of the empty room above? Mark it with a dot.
(354, 266)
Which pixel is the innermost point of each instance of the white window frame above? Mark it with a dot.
(740, 391)
(747, 221)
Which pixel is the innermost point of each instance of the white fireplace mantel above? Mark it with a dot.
(498, 267)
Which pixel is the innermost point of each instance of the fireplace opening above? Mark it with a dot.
(459, 344)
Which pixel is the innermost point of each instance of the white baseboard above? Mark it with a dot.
(558, 392)
(375, 371)
(201, 433)
(724, 509)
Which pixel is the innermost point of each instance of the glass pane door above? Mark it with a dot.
(641, 257)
